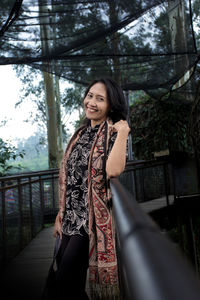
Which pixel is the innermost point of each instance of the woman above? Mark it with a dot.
(96, 152)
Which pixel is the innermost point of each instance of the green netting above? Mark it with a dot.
(145, 45)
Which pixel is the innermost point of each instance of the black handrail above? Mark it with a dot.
(29, 174)
(151, 266)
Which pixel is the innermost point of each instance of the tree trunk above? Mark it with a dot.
(114, 44)
(53, 149)
(59, 121)
(54, 144)
(177, 25)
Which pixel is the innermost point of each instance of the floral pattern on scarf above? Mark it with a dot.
(103, 272)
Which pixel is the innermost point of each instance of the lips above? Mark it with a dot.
(91, 110)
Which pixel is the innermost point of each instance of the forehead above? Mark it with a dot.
(98, 89)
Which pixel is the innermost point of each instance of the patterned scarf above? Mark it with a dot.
(103, 272)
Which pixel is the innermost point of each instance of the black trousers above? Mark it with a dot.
(72, 262)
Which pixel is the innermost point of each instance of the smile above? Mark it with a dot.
(91, 109)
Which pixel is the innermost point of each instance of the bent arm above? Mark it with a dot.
(117, 159)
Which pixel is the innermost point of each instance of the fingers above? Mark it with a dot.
(121, 125)
(57, 230)
(54, 233)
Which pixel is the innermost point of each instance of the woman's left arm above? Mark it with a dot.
(117, 158)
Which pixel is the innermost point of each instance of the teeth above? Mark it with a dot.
(92, 110)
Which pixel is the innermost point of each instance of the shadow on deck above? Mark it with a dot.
(25, 275)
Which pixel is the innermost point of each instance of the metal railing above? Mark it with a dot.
(27, 202)
(30, 200)
(150, 266)
(148, 180)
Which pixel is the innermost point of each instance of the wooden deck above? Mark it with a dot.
(156, 204)
(25, 276)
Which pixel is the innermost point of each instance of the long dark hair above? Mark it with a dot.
(118, 105)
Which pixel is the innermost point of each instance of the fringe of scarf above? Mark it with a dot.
(106, 292)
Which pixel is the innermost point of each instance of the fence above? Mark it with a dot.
(27, 201)
(30, 200)
(150, 267)
(148, 180)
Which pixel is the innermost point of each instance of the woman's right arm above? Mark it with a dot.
(61, 192)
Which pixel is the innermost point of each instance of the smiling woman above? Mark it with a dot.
(96, 152)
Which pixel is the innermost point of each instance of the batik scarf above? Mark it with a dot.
(103, 272)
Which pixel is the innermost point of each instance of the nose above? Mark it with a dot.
(92, 101)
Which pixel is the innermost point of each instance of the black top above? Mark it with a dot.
(76, 215)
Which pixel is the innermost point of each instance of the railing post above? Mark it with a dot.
(135, 183)
(3, 224)
(20, 212)
(166, 183)
(143, 189)
(31, 207)
(41, 198)
(53, 194)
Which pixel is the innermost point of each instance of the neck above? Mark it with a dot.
(94, 123)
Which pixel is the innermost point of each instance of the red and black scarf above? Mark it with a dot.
(103, 272)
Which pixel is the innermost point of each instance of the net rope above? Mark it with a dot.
(146, 45)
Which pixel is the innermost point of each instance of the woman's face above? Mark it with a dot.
(96, 104)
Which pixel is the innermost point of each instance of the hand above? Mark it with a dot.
(57, 227)
(121, 126)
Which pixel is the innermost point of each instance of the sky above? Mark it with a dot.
(16, 127)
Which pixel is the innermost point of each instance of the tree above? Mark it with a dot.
(159, 125)
(54, 133)
(82, 70)
(36, 153)
(8, 152)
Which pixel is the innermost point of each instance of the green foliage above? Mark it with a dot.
(38, 163)
(159, 125)
(32, 89)
(196, 24)
(8, 152)
(72, 98)
(36, 157)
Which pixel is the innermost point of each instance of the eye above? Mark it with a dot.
(100, 99)
(89, 95)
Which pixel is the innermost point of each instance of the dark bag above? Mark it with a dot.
(49, 292)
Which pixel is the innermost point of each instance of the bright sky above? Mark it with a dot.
(15, 127)
(10, 94)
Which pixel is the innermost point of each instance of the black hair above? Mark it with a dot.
(118, 104)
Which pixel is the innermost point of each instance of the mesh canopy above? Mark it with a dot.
(145, 45)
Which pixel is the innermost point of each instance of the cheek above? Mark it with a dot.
(84, 103)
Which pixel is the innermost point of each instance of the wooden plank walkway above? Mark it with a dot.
(156, 204)
(25, 275)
